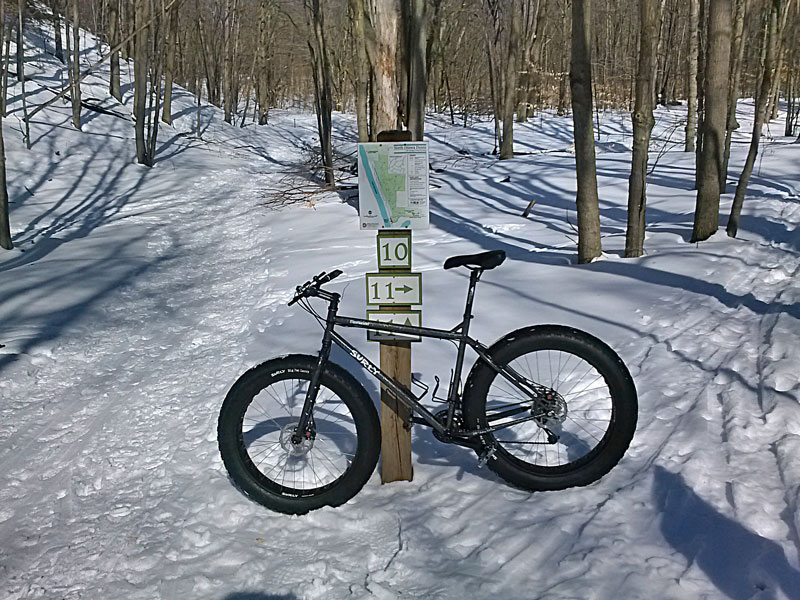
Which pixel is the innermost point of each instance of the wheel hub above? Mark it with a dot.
(550, 409)
(304, 446)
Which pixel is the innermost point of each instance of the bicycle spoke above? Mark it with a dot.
(268, 420)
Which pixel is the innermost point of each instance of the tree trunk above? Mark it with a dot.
(113, 23)
(531, 10)
(7, 55)
(5, 228)
(402, 62)
(76, 68)
(691, 78)
(706, 216)
(386, 14)
(737, 55)
(361, 69)
(172, 39)
(57, 29)
(642, 126)
(19, 43)
(510, 87)
(702, 46)
(580, 77)
(417, 73)
(320, 64)
(140, 68)
(21, 75)
(761, 113)
(226, 61)
(772, 107)
(263, 95)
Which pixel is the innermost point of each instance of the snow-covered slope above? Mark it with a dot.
(136, 296)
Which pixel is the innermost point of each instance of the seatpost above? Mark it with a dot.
(474, 277)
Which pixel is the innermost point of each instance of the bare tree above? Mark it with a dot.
(530, 23)
(691, 76)
(642, 126)
(265, 38)
(5, 229)
(114, 26)
(361, 79)
(76, 68)
(580, 78)
(510, 88)
(171, 50)
(21, 73)
(737, 55)
(321, 69)
(706, 216)
(417, 73)
(140, 72)
(57, 28)
(763, 98)
(385, 18)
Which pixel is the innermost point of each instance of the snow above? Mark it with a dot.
(135, 297)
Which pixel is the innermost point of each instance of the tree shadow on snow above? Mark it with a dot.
(739, 562)
(258, 596)
(684, 282)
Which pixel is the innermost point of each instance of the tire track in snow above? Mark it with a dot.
(109, 405)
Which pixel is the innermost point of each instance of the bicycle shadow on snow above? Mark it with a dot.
(737, 561)
(426, 449)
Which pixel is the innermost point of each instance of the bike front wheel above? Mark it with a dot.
(261, 413)
(580, 425)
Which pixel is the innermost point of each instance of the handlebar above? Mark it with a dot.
(311, 287)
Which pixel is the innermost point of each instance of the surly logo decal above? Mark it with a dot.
(364, 362)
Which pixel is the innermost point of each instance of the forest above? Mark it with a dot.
(173, 171)
(391, 62)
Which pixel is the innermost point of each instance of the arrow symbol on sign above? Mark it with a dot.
(403, 288)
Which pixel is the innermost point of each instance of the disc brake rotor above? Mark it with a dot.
(304, 447)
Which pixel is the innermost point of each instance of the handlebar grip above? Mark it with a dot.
(311, 288)
(298, 293)
(332, 275)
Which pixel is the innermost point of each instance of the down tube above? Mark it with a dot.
(404, 397)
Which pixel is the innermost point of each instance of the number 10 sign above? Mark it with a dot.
(394, 250)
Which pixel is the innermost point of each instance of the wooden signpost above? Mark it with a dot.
(394, 293)
(394, 289)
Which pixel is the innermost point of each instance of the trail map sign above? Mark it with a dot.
(393, 185)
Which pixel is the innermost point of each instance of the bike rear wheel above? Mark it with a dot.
(261, 413)
(583, 422)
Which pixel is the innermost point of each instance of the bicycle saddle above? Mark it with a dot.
(483, 260)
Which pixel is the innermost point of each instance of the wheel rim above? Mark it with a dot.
(580, 411)
(316, 463)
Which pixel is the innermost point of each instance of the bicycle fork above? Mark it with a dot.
(305, 427)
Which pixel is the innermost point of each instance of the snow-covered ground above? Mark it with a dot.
(135, 297)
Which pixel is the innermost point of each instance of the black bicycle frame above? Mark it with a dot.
(459, 334)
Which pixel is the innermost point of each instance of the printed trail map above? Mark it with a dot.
(393, 185)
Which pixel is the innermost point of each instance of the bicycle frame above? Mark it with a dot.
(459, 334)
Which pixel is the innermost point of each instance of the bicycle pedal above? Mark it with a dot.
(486, 454)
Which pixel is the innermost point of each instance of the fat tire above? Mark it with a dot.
(612, 446)
(251, 481)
